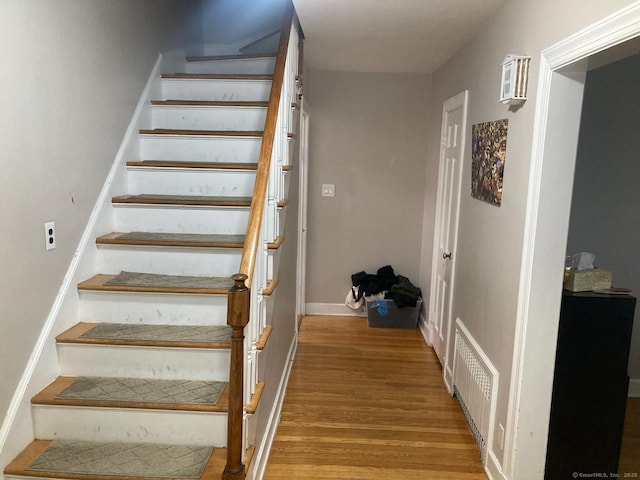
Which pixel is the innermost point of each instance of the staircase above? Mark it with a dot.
(145, 348)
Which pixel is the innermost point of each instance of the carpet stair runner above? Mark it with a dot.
(192, 240)
(124, 392)
(123, 399)
(111, 461)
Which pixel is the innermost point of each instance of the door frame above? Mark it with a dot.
(303, 182)
(448, 106)
(555, 136)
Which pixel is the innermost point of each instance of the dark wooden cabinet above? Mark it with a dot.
(590, 384)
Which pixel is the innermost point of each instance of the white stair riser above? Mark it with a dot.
(228, 220)
(223, 262)
(208, 118)
(255, 66)
(193, 181)
(156, 309)
(200, 148)
(130, 425)
(215, 90)
(78, 359)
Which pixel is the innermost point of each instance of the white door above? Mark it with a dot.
(454, 113)
(302, 211)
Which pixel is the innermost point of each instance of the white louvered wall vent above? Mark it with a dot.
(515, 76)
(475, 383)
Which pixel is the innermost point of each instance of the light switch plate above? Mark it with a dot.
(328, 190)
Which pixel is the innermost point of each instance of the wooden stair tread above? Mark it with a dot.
(192, 200)
(202, 133)
(210, 103)
(99, 283)
(48, 396)
(244, 56)
(264, 337)
(216, 76)
(203, 165)
(196, 240)
(271, 287)
(74, 335)
(18, 466)
(255, 398)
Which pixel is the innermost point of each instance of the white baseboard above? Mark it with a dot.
(258, 466)
(331, 309)
(493, 469)
(423, 325)
(634, 388)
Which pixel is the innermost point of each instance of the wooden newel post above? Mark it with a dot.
(237, 319)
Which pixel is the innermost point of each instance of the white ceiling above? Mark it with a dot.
(414, 36)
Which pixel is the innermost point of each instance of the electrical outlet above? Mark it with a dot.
(50, 235)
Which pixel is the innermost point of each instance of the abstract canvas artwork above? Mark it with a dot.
(488, 155)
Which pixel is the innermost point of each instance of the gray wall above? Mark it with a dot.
(491, 238)
(230, 24)
(605, 209)
(73, 71)
(368, 136)
(273, 359)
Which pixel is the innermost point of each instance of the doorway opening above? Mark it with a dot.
(561, 81)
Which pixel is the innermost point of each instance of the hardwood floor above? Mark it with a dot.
(630, 451)
(369, 403)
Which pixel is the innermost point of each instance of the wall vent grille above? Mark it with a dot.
(475, 382)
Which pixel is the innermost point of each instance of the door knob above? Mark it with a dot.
(446, 255)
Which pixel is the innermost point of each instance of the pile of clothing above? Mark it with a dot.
(384, 284)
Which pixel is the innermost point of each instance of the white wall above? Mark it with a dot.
(368, 136)
(605, 219)
(72, 73)
(491, 238)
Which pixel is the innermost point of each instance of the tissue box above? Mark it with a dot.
(587, 280)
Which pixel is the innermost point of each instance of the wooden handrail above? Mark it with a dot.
(239, 298)
(252, 239)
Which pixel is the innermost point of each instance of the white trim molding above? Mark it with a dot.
(492, 467)
(259, 464)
